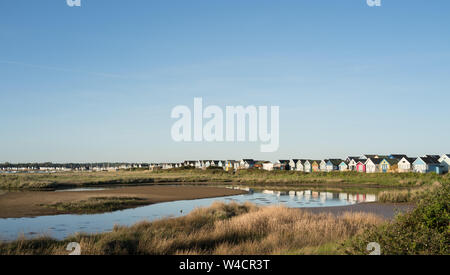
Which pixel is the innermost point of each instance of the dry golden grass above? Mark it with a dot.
(224, 229)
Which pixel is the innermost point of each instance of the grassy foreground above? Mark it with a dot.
(247, 177)
(220, 229)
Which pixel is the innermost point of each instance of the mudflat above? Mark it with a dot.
(33, 204)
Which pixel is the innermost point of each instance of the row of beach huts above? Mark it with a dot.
(69, 167)
(394, 163)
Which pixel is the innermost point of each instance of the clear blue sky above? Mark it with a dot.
(97, 83)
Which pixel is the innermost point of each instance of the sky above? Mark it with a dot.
(98, 82)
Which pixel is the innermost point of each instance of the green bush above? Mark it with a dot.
(425, 230)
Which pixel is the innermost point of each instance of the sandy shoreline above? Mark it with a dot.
(27, 204)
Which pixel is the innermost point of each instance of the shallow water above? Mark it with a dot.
(61, 226)
(82, 189)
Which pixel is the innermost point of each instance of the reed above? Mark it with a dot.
(407, 196)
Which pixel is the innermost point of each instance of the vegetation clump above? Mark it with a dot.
(98, 205)
(425, 230)
(407, 196)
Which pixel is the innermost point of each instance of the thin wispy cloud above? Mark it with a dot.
(44, 67)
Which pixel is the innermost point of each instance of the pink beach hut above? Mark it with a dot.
(361, 167)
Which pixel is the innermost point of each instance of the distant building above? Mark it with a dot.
(268, 166)
(189, 163)
(231, 165)
(405, 165)
(373, 165)
(246, 163)
(444, 160)
(333, 164)
(343, 166)
(389, 165)
(283, 164)
(360, 166)
(427, 165)
(307, 166)
(315, 165)
(323, 165)
(293, 164)
(397, 156)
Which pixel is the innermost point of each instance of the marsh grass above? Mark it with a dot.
(223, 229)
(249, 177)
(98, 205)
(408, 196)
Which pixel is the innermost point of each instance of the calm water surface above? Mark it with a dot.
(61, 226)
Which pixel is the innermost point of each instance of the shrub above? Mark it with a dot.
(425, 230)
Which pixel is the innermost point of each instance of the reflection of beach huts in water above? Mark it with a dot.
(371, 198)
(307, 195)
(343, 196)
(352, 198)
(360, 197)
(281, 193)
(249, 190)
(323, 196)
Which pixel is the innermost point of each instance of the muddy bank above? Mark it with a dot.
(33, 204)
